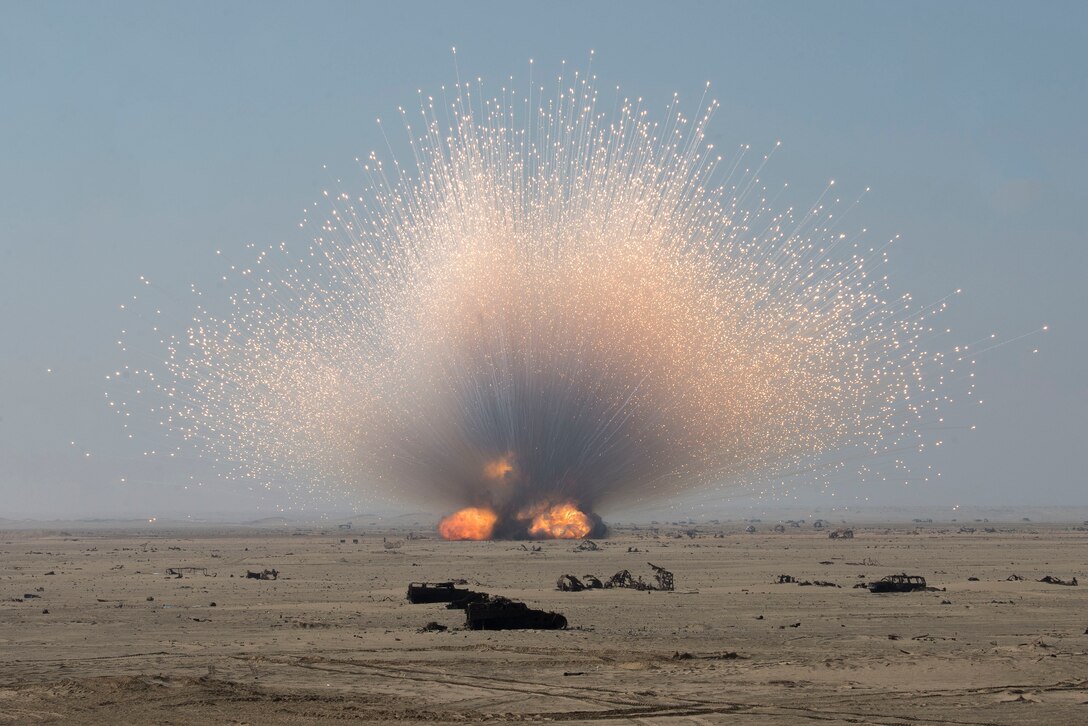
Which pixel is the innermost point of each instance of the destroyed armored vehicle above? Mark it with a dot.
(425, 592)
(465, 598)
(499, 613)
(898, 583)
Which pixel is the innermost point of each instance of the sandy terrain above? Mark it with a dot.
(111, 639)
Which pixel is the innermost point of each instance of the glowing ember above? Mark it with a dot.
(562, 521)
(469, 523)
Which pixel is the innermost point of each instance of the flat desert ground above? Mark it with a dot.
(109, 637)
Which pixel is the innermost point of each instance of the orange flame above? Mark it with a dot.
(499, 468)
(469, 523)
(561, 521)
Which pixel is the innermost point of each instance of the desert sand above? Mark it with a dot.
(109, 637)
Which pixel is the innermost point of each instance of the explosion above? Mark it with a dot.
(560, 310)
(469, 523)
(562, 521)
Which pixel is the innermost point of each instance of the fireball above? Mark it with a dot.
(499, 468)
(469, 523)
(561, 521)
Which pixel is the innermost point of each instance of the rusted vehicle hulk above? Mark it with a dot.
(500, 613)
(898, 583)
(463, 600)
(425, 592)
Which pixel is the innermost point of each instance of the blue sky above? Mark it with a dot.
(138, 138)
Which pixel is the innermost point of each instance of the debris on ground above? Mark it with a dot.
(728, 655)
(262, 575)
(180, 572)
(841, 534)
(791, 580)
(569, 583)
(664, 578)
(623, 578)
(1050, 579)
(587, 545)
(433, 627)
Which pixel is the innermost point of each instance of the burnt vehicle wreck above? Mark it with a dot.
(428, 592)
(500, 613)
(484, 611)
(898, 583)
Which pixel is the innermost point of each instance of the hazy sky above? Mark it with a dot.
(137, 138)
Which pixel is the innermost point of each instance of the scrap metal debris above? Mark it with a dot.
(1050, 579)
(664, 578)
(624, 579)
(179, 572)
(569, 583)
(262, 575)
(791, 580)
